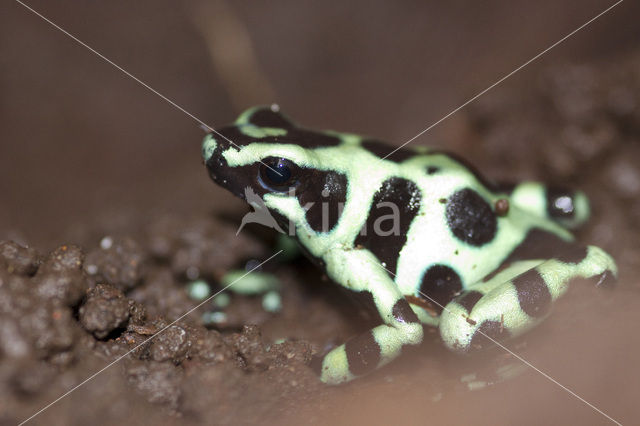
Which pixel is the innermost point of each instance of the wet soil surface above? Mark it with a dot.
(92, 306)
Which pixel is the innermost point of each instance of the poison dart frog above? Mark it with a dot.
(432, 241)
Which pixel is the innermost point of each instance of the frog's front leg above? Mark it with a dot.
(518, 298)
(359, 270)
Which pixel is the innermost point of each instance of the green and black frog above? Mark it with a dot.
(431, 240)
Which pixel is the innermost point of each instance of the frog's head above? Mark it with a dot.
(266, 154)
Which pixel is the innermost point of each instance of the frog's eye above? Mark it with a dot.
(278, 174)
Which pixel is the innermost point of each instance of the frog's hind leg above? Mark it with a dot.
(378, 346)
(366, 352)
(566, 207)
(519, 297)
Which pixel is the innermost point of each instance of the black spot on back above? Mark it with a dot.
(432, 170)
(363, 354)
(533, 294)
(469, 299)
(402, 312)
(266, 117)
(560, 203)
(381, 150)
(470, 217)
(540, 244)
(295, 136)
(493, 329)
(386, 245)
(232, 137)
(309, 139)
(440, 284)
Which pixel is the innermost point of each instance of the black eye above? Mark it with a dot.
(277, 174)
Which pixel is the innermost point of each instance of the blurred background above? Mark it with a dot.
(79, 140)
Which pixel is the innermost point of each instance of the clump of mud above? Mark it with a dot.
(106, 303)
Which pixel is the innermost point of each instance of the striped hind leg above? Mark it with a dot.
(518, 298)
(376, 347)
(368, 351)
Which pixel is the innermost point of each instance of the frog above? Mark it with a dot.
(418, 230)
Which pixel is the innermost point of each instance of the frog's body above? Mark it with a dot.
(421, 231)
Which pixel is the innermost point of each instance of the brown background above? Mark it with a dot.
(79, 139)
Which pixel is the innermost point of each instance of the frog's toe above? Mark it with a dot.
(460, 332)
(456, 329)
(607, 280)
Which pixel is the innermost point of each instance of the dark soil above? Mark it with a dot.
(68, 314)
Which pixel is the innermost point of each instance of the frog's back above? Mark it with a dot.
(454, 226)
